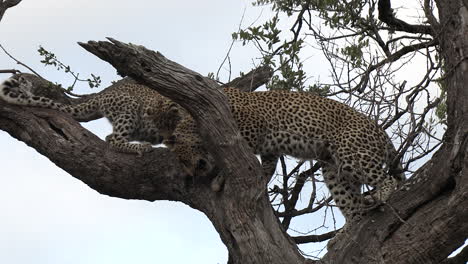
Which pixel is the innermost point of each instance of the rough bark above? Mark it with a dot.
(252, 80)
(387, 15)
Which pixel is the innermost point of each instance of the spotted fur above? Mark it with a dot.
(353, 149)
(126, 104)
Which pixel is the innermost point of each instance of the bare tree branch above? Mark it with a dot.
(89, 159)
(5, 4)
(19, 62)
(252, 80)
(196, 95)
(393, 57)
(13, 71)
(10, 3)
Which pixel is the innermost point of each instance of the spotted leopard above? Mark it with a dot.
(352, 148)
(125, 104)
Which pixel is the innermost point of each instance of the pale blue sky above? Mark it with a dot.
(49, 217)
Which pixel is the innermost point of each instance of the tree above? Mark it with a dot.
(422, 223)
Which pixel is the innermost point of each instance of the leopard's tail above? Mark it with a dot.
(17, 91)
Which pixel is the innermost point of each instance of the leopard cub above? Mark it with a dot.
(126, 104)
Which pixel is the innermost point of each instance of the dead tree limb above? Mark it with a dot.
(387, 16)
(5, 4)
(252, 80)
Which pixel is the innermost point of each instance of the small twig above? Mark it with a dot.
(13, 71)
(19, 62)
(315, 238)
(227, 57)
(11, 3)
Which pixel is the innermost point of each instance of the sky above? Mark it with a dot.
(49, 217)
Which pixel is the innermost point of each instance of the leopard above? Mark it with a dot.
(352, 148)
(126, 104)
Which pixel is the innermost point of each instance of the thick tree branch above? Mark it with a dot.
(191, 91)
(89, 159)
(386, 15)
(314, 238)
(252, 80)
